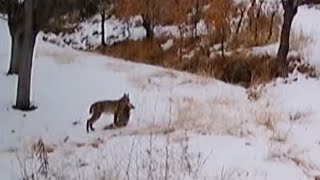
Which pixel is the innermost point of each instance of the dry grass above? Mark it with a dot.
(146, 51)
(262, 32)
(41, 147)
(237, 69)
(255, 92)
(194, 54)
(226, 116)
(299, 64)
(267, 120)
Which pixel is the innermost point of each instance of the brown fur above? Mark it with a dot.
(123, 118)
(114, 107)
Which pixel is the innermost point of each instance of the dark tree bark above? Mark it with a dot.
(222, 47)
(15, 18)
(290, 10)
(147, 24)
(25, 19)
(24, 78)
(240, 21)
(16, 51)
(195, 19)
(181, 31)
(147, 19)
(251, 14)
(25, 65)
(103, 33)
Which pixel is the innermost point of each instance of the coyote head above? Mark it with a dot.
(126, 100)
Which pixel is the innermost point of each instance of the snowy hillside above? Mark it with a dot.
(88, 33)
(183, 127)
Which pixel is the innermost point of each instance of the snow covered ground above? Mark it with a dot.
(183, 127)
(87, 35)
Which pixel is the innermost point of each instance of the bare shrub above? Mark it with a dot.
(219, 16)
(268, 120)
(261, 25)
(42, 155)
(239, 69)
(255, 92)
(223, 26)
(242, 69)
(224, 174)
(293, 155)
(35, 164)
(146, 51)
(300, 65)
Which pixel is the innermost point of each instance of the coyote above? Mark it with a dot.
(123, 118)
(115, 107)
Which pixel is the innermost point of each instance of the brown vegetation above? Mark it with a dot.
(240, 69)
(231, 25)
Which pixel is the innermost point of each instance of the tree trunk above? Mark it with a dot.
(128, 30)
(25, 70)
(283, 50)
(25, 65)
(194, 29)
(239, 23)
(148, 27)
(15, 52)
(181, 31)
(103, 19)
(222, 40)
(16, 34)
(222, 49)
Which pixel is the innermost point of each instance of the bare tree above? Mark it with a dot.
(148, 9)
(103, 33)
(24, 78)
(220, 16)
(104, 7)
(25, 20)
(195, 16)
(15, 15)
(241, 12)
(290, 10)
(149, 17)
